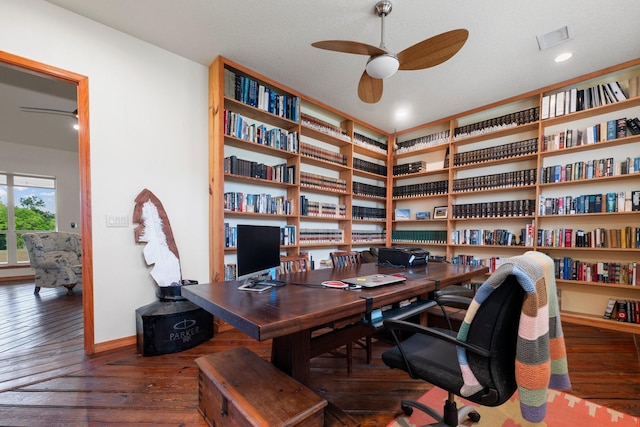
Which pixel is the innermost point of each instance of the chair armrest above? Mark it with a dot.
(402, 325)
(454, 301)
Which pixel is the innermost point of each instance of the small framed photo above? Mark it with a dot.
(423, 215)
(439, 212)
(403, 214)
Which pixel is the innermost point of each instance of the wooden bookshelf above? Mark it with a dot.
(436, 145)
(325, 149)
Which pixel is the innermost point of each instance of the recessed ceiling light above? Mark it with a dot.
(563, 57)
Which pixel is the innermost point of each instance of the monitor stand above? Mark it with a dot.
(257, 278)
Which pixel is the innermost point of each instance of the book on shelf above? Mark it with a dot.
(251, 92)
(368, 213)
(370, 143)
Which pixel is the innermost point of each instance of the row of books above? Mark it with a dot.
(287, 235)
(623, 273)
(492, 263)
(627, 237)
(504, 151)
(230, 271)
(518, 118)
(235, 125)
(323, 154)
(425, 141)
(367, 166)
(595, 168)
(323, 182)
(421, 189)
(601, 132)
(322, 209)
(280, 172)
(627, 311)
(324, 127)
(321, 236)
(419, 236)
(368, 190)
(409, 168)
(623, 201)
(367, 212)
(517, 178)
(481, 236)
(572, 100)
(368, 236)
(502, 208)
(251, 92)
(370, 143)
(257, 203)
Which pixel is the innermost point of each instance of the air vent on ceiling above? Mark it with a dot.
(553, 38)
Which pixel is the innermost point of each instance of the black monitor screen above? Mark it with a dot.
(258, 249)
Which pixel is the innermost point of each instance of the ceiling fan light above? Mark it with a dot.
(382, 66)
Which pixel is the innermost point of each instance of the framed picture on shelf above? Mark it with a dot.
(403, 214)
(423, 215)
(440, 212)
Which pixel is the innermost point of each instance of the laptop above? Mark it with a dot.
(373, 280)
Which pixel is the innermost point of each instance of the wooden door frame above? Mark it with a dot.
(85, 182)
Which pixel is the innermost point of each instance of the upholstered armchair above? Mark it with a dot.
(56, 258)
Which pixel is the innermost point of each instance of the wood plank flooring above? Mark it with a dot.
(45, 378)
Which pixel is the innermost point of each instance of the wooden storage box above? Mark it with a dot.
(239, 388)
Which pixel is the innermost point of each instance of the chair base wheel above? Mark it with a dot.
(474, 416)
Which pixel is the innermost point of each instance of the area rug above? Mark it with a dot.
(563, 410)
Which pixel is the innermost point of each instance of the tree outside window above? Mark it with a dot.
(27, 203)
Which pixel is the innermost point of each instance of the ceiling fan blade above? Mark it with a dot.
(73, 114)
(369, 89)
(349, 47)
(432, 51)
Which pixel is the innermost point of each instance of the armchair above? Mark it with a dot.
(56, 258)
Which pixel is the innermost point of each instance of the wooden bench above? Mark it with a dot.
(239, 388)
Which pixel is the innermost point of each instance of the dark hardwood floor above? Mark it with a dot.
(45, 378)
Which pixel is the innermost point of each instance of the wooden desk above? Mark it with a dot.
(289, 314)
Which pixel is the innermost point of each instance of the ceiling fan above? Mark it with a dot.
(383, 63)
(73, 113)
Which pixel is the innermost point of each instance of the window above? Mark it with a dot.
(27, 203)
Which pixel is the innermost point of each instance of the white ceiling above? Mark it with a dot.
(500, 59)
(19, 88)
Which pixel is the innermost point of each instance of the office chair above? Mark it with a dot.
(430, 354)
(453, 296)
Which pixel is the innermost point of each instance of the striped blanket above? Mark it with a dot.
(541, 358)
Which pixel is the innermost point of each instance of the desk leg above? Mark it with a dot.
(291, 354)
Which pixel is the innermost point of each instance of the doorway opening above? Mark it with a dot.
(82, 83)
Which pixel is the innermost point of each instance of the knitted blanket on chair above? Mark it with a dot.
(541, 358)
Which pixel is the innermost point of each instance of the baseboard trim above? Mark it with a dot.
(115, 344)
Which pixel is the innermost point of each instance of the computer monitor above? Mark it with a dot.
(258, 250)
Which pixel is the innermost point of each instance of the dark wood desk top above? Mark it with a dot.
(295, 307)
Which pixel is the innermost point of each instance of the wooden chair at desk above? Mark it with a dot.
(294, 263)
(345, 258)
(341, 259)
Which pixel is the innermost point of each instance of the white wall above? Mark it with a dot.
(148, 129)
